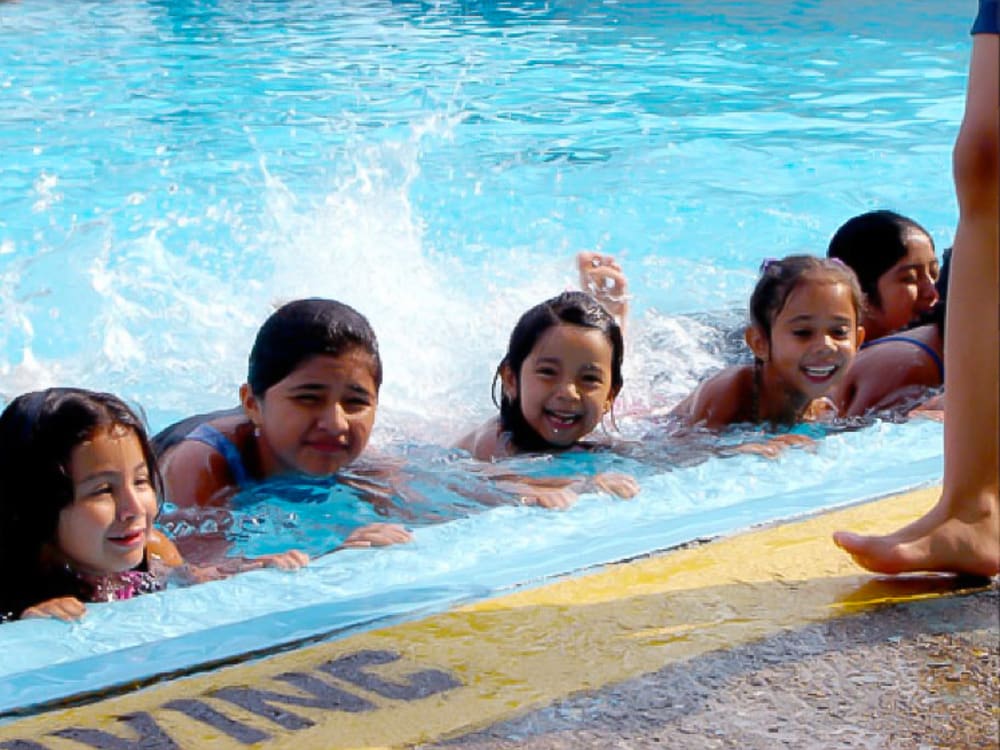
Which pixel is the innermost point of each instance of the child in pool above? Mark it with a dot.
(896, 371)
(79, 491)
(961, 533)
(558, 379)
(893, 257)
(803, 332)
(308, 406)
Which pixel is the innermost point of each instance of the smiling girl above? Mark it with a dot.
(557, 381)
(79, 492)
(804, 332)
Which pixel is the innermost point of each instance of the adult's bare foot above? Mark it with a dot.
(953, 537)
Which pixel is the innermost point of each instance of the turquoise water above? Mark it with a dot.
(172, 169)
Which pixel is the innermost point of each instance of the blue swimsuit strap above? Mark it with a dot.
(930, 352)
(988, 20)
(213, 438)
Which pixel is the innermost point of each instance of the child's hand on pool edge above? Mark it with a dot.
(377, 535)
(291, 560)
(65, 608)
(776, 445)
(619, 485)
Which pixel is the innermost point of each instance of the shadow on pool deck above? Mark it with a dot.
(913, 675)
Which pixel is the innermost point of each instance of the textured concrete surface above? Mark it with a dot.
(923, 674)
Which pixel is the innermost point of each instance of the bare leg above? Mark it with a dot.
(961, 533)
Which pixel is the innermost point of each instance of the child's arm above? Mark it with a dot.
(562, 492)
(717, 402)
(195, 474)
(883, 376)
(487, 442)
(602, 277)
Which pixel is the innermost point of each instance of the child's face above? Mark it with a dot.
(565, 383)
(907, 290)
(319, 418)
(815, 337)
(106, 527)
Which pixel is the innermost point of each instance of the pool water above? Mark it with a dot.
(172, 169)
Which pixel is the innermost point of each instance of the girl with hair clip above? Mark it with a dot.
(79, 491)
(553, 387)
(804, 333)
(308, 406)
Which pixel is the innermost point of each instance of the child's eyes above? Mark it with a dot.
(546, 372)
(841, 333)
(306, 398)
(802, 333)
(103, 489)
(357, 404)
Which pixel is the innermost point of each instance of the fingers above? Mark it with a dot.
(66, 608)
(556, 499)
(377, 535)
(621, 485)
(291, 560)
(587, 261)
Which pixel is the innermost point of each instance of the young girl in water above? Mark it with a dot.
(79, 492)
(893, 257)
(804, 332)
(896, 371)
(557, 381)
(308, 406)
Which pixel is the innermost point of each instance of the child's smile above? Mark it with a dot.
(814, 337)
(565, 383)
(106, 527)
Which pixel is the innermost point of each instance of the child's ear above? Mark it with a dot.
(610, 400)
(861, 336)
(508, 382)
(251, 405)
(757, 341)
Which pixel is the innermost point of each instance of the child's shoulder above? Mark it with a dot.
(720, 400)
(488, 441)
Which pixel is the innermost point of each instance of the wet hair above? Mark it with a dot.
(569, 308)
(303, 329)
(779, 278)
(38, 432)
(871, 244)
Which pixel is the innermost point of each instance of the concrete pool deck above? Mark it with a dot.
(764, 639)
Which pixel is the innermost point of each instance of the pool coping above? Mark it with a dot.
(453, 672)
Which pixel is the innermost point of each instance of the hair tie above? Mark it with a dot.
(767, 264)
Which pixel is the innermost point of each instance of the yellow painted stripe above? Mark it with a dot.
(483, 663)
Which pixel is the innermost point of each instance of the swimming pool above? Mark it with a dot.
(173, 168)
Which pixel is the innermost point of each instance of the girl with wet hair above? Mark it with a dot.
(308, 407)
(79, 491)
(896, 372)
(893, 257)
(557, 381)
(804, 333)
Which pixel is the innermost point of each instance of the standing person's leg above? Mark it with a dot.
(962, 532)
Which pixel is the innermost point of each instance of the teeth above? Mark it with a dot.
(820, 372)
